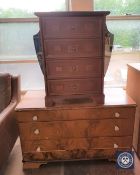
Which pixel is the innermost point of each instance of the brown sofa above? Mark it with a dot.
(9, 96)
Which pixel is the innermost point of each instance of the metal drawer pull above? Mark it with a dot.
(116, 146)
(38, 149)
(117, 114)
(35, 118)
(36, 131)
(117, 128)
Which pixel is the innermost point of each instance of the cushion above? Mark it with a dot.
(5, 90)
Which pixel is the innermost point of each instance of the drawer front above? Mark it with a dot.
(76, 129)
(76, 114)
(66, 27)
(80, 143)
(63, 48)
(74, 86)
(61, 155)
(74, 68)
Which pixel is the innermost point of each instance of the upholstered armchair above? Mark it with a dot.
(9, 97)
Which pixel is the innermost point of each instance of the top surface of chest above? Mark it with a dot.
(114, 97)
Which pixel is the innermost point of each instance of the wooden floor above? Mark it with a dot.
(14, 167)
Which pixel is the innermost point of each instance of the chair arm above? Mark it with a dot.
(15, 88)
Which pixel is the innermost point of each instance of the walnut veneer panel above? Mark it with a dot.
(76, 129)
(76, 114)
(74, 132)
(81, 143)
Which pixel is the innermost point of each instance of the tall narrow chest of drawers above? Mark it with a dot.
(74, 132)
(73, 48)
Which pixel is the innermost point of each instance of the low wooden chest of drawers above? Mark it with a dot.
(73, 51)
(74, 132)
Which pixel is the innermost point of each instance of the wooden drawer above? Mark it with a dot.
(69, 155)
(80, 143)
(59, 114)
(74, 86)
(62, 48)
(69, 27)
(76, 129)
(74, 68)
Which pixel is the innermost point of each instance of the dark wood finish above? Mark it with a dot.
(74, 132)
(86, 27)
(73, 45)
(133, 89)
(61, 68)
(74, 86)
(73, 14)
(62, 48)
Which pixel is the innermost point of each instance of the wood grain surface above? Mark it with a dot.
(74, 132)
(72, 143)
(113, 97)
(83, 113)
(76, 129)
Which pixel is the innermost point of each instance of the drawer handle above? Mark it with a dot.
(74, 86)
(73, 28)
(116, 146)
(117, 114)
(74, 68)
(36, 131)
(117, 128)
(74, 49)
(38, 149)
(35, 118)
